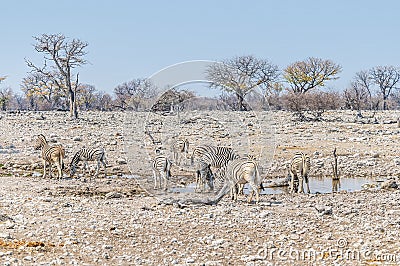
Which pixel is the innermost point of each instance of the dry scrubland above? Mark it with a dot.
(113, 221)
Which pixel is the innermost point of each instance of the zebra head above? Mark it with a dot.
(40, 142)
(72, 170)
(288, 177)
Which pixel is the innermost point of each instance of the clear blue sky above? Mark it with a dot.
(134, 39)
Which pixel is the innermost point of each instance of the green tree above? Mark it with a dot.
(311, 73)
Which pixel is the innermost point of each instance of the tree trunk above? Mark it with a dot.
(241, 105)
(72, 104)
(385, 102)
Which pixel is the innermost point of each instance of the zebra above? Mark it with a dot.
(89, 154)
(161, 167)
(179, 146)
(50, 154)
(211, 156)
(298, 170)
(242, 170)
(204, 175)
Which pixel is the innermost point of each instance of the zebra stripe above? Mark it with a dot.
(50, 154)
(179, 146)
(204, 176)
(161, 167)
(210, 156)
(89, 154)
(242, 170)
(298, 169)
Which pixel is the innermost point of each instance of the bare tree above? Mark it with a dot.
(65, 56)
(172, 100)
(241, 75)
(311, 106)
(86, 96)
(132, 94)
(386, 77)
(311, 73)
(104, 101)
(42, 86)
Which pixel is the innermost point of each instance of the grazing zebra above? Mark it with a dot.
(179, 146)
(211, 156)
(89, 154)
(242, 170)
(50, 154)
(161, 167)
(298, 170)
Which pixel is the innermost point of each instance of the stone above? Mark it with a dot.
(389, 184)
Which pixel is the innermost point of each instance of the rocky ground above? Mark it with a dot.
(114, 221)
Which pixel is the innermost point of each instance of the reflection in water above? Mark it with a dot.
(335, 185)
(317, 185)
(328, 185)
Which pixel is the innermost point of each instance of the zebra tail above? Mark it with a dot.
(258, 176)
(62, 163)
(192, 160)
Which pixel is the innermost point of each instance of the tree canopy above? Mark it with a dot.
(240, 75)
(311, 73)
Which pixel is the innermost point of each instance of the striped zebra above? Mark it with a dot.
(86, 155)
(204, 176)
(50, 154)
(179, 146)
(211, 156)
(161, 167)
(298, 170)
(239, 171)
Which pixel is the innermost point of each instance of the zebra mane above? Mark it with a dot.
(42, 138)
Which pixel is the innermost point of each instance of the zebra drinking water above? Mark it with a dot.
(242, 170)
(298, 170)
(211, 156)
(89, 154)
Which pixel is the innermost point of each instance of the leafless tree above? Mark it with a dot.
(311, 106)
(311, 73)
(172, 100)
(386, 77)
(65, 56)
(241, 75)
(361, 95)
(104, 101)
(86, 96)
(43, 87)
(133, 94)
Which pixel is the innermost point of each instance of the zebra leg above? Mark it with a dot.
(44, 169)
(97, 169)
(155, 179)
(59, 174)
(50, 173)
(308, 186)
(197, 181)
(164, 179)
(301, 189)
(105, 166)
(291, 187)
(254, 190)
